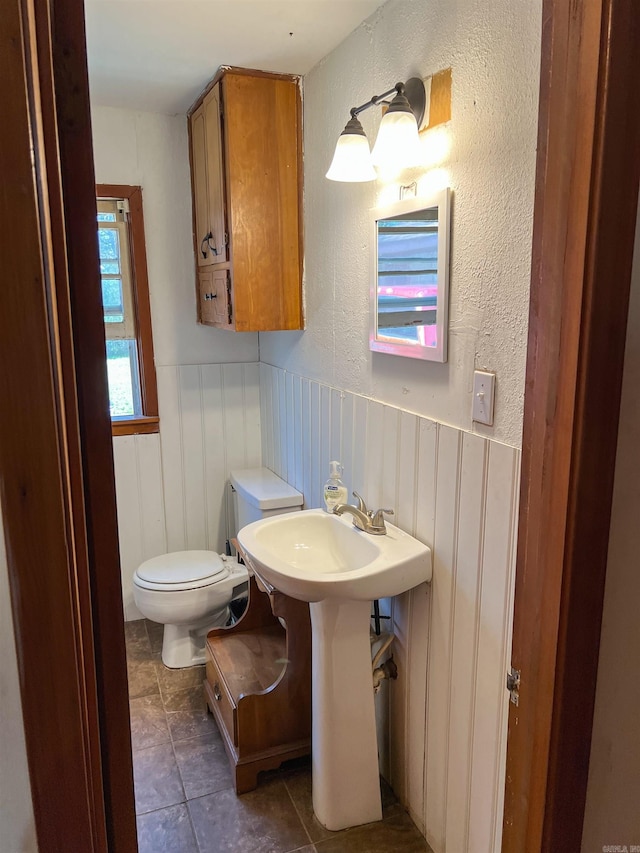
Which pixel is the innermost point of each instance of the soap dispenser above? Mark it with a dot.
(335, 491)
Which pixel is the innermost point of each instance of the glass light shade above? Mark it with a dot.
(352, 160)
(398, 143)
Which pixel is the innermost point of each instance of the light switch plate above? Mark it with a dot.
(484, 385)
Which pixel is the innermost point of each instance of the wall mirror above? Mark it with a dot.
(410, 287)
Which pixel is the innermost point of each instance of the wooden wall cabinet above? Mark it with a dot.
(258, 684)
(245, 139)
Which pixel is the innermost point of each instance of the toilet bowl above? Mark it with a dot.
(188, 592)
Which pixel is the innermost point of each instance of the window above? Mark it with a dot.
(133, 398)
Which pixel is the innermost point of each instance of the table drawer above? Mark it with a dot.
(219, 699)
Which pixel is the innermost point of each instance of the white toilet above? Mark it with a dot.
(189, 592)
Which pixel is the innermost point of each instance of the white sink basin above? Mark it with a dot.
(323, 559)
(312, 555)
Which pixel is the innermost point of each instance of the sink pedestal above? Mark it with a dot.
(346, 784)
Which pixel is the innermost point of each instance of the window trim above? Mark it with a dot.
(149, 422)
(135, 426)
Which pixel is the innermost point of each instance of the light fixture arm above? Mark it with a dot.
(413, 90)
(376, 99)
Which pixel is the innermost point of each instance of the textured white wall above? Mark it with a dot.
(17, 828)
(493, 48)
(151, 150)
(613, 793)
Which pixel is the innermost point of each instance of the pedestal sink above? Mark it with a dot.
(339, 570)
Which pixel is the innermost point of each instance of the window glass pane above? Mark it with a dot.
(123, 361)
(109, 247)
(124, 383)
(112, 300)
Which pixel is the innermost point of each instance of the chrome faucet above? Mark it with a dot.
(364, 519)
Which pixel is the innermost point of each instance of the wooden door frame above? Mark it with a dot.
(57, 484)
(55, 442)
(584, 220)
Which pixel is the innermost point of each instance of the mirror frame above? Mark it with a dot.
(442, 201)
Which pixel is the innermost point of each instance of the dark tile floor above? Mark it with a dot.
(185, 800)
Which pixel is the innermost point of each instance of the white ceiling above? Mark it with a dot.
(157, 55)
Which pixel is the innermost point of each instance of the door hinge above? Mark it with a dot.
(513, 685)
(229, 308)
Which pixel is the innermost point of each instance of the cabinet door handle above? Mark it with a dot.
(207, 239)
(209, 296)
(217, 695)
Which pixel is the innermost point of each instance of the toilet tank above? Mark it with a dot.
(259, 493)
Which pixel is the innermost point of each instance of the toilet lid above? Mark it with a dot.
(182, 567)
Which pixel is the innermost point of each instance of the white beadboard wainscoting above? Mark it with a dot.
(457, 492)
(140, 502)
(171, 488)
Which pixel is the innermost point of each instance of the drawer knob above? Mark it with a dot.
(217, 695)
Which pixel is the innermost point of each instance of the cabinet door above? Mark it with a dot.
(215, 176)
(263, 169)
(201, 203)
(214, 293)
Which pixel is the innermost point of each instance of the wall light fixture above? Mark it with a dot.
(397, 145)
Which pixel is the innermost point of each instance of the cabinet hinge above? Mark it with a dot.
(229, 308)
(513, 685)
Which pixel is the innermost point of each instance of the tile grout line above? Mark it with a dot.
(161, 808)
(173, 740)
(193, 828)
(299, 816)
(170, 741)
(155, 672)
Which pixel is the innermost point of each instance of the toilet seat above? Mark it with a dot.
(181, 570)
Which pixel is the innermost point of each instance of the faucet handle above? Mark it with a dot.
(361, 504)
(378, 517)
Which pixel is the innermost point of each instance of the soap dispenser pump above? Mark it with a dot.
(335, 491)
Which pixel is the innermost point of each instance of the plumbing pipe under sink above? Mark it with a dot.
(388, 669)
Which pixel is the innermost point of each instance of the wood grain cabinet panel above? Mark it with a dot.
(199, 173)
(216, 246)
(209, 215)
(214, 296)
(246, 171)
